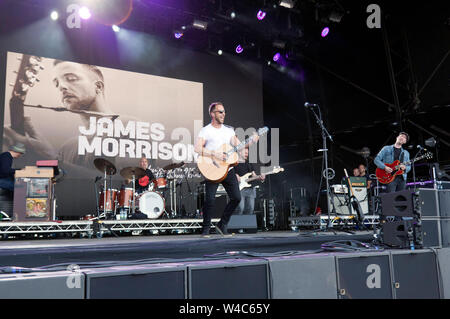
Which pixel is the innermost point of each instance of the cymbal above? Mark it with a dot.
(104, 165)
(128, 172)
(173, 165)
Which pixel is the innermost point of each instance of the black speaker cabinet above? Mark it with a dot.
(444, 203)
(246, 223)
(364, 276)
(228, 279)
(428, 202)
(48, 285)
(154, 281)
(435, 232)
(415, 274)
(398, 204)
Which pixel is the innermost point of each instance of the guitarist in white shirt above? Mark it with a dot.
(248, 194)
(209, 139)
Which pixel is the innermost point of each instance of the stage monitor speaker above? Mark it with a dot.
(364, 276)
(246, 223)
(436, 232)
(443, 256)
(51, 285)
(303, 277)
(401, 234)
(415, 274)
(398, 204)
(428, 202)
(444, 203)
(153, 281)
(228, 279)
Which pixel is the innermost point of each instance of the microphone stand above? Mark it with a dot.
(414, 170)
(325, 135)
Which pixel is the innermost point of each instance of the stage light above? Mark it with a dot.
(219, 52)
(286, 3)
(324, 32)
(178, 34)
(115, 28)
(239, 49)
(276, 57)
(233, 15)
(54, 15)
(201, 25)
(84, 13)
(261, 14)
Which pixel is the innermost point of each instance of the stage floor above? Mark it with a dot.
(166, 248)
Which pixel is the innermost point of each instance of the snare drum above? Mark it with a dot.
(111, 195)
(125, 197)
(151, 204)
(160, 183)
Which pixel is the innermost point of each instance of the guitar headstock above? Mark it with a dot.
(277, 169)
(263, 130)
(27, 75)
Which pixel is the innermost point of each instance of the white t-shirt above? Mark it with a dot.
(216, 137)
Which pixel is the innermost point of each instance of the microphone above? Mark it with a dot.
(420, 147)
(307, 104)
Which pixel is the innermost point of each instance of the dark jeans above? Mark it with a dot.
(7, 183)
(231, 186)
(398, 184)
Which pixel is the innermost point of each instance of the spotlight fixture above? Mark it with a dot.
(219, 52)
(54, 15)
(201, 25)
(286, 3)
(233, 15)
(178, 34)
(261, 14)
(325, 32)
(84, 13)
(276, 57)
(115, 28)
(239, 49)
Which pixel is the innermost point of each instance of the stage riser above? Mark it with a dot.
(395, 274)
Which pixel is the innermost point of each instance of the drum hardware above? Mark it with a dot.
(132, 173)
(173, 166)
(107, 168)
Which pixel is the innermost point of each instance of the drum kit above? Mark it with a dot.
(128, 201)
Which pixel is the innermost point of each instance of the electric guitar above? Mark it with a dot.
(29, 68)
(246, 179)
(353, 200)
(385, 177)
(216, 170)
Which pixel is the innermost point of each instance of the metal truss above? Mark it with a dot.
(336, 221)
(45, 227)
(100, 227)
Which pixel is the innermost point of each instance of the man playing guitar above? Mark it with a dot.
(391, 153)
(248, 194)
(210, 138)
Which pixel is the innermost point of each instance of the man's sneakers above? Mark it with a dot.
(219, 228)
(205, 232)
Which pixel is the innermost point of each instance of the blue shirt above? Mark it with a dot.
(386, 156)
(6, 161)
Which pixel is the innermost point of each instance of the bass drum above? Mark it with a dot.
(151, 204)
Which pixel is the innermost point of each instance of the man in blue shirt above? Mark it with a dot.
(6, 170)
(391, 153)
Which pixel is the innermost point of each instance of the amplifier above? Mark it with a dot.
(361, 196)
